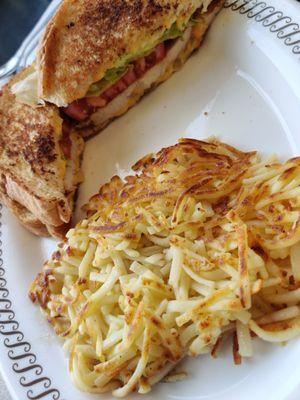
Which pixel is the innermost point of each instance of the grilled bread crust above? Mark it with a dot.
(29, 220)
(32, 167)
(31, 223)
(90, 127)
(88, 37)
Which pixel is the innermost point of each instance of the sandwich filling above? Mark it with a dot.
(132, 69)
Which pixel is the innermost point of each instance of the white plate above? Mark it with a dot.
(243, 86)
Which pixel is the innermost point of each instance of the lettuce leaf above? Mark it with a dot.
(111, 76)
(172, 33)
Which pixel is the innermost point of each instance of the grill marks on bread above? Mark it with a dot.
(88, 37)
(28, 135)
(32, 165)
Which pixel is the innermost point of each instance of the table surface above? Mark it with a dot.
(16, 20)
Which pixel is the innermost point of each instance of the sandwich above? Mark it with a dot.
(39, 164)
(97, 58)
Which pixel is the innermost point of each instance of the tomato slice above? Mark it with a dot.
(66, 142)
(78, 110)
(160, 52)
(140, 66)
(97, 102)
(111, 92)
(66, 127)
(121, 86)
(130, 77)
(151, 60)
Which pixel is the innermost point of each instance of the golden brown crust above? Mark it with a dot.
(31, 223)
(25, 217)
(31, 163)
(32, 167)
(88, 128)
(88, 37)
(33, 131)
(53, 211)
(29, 138)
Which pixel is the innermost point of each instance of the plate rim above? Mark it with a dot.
(10, 329)
(260, 12)
(269, 17)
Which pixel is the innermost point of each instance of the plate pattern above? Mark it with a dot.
(275, 20)
(24, 361)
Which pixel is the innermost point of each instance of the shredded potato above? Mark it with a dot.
(203, 241)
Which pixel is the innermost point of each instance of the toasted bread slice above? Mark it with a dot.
(25, 217)
(38, 184)
(176, 57)
(86, 39)
(31, 223)
(34, 175)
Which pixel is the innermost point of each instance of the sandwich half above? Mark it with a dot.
(39, 163)
(98, 57)
(96, 60)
